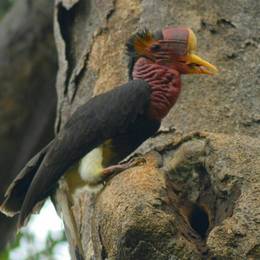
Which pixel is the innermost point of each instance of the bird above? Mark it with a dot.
(106, 129)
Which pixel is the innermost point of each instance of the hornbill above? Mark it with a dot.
(110, 126)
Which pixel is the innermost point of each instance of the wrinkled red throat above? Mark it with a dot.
(165, 86)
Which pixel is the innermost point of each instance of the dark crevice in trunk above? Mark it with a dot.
(66, 19)
(199, 220)
(198, 217)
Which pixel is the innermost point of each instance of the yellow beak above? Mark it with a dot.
(197, 65)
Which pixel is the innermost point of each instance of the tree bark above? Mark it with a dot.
(196, 196)
(28, 68)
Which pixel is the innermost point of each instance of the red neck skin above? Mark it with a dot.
(165, 86)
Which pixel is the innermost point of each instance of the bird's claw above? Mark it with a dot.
(136, 161)
(115, 169)
(165, 130)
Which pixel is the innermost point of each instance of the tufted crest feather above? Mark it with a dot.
(138, 43)
(136, 46)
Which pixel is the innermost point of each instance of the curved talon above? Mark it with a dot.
(137, 161)
(115, 169)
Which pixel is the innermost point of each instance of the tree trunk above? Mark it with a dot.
(28, 69)
(197, 195)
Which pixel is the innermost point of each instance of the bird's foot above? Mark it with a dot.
(165, 130)
(115, 169)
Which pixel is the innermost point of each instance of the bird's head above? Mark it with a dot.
(173, 47)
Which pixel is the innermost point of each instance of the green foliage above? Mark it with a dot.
(5, 6)
(5, 255)
(28, 238)
(49, 250)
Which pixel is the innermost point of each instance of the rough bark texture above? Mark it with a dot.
(27, 91)
(197, 194)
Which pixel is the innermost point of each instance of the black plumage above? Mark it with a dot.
(119, 115)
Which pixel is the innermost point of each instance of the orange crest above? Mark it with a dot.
(139, 43)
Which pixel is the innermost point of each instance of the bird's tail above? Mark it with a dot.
(17, 190)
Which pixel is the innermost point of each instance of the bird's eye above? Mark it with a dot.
(155, 47)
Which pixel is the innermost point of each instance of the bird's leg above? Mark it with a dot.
(117, 168)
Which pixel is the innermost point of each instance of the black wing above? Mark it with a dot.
(103, 117)
(17, 190)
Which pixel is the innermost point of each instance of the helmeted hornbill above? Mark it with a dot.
(110, 126)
